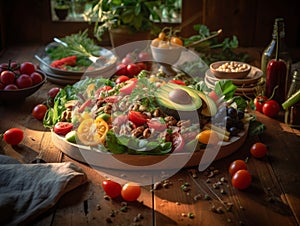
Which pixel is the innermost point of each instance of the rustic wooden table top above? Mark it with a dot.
(272, 199)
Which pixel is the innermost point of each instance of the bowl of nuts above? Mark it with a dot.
(230, 69)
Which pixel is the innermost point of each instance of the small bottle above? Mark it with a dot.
(292, 113)
(269, 52)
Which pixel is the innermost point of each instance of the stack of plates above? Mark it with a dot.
(250, 86)
(105, 68)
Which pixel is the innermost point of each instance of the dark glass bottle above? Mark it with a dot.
(270, 51)
(292, 113)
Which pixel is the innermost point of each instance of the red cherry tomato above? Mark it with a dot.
(36, 78)
(241, 179)
(7, 77)
(130, 191)
(137, 118)
(130, 85)
(178, 82)
(259, 101)
(144, 56)
(53, 92)
(111, 188)
(62, 128)
(11, 87)
(121, 69)
(122, 78)
(27, 68)
(24, 81)
(133, 69)
(127, 60)
(39, 111)
(258, 150)
(13, 136)
(236, 166)
(177, 142)
(271, 108)
(142, 66)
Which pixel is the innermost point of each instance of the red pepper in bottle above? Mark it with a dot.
(276, 78)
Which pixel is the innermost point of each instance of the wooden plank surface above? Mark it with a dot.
(272, 199)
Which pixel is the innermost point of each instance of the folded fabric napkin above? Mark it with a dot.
(27, 190)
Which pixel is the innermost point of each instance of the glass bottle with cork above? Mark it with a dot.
(270, 50)
(292, 104)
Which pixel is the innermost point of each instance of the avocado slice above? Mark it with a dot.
(209, 107)
(178, 100)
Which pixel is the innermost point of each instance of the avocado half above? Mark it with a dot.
(209, 107)
(179, 101)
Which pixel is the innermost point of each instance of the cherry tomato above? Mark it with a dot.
(144, 56)
(122, 78)
(177, 142)
(1, 86)
(241, 179)
(7, 77)
(130, 191)
(258, 150)
(36, 78)
(53, 92)
(176, 41)
(178, 82)
(62, 128)
(24, 81)
(157, 124)
(155, 42)
(162, 35)
(13, 136)
(111, 188)
(27, 68)
(137, 118)
(259, 102)
(130, 85)
(11, 87)
(127, 60)
(213, 95)
(141, 65)
(236, 166)
(271, 108)
(132, 70)
(121, 69)
(39, 111)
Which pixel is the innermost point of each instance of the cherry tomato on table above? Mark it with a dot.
(62, 128)
(241, 179)
(53, 92)
(111, 188)
(236, 166)
(258, 150)
(259, 101)
(130, 191)
(13, 136)
(39, 111)
(271, 108)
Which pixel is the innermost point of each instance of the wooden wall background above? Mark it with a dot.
(23, 21)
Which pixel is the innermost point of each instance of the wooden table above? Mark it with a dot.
(272, 199)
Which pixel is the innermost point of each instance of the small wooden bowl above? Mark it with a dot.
(242, 71)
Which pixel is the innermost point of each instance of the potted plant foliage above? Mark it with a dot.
(124, 19)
